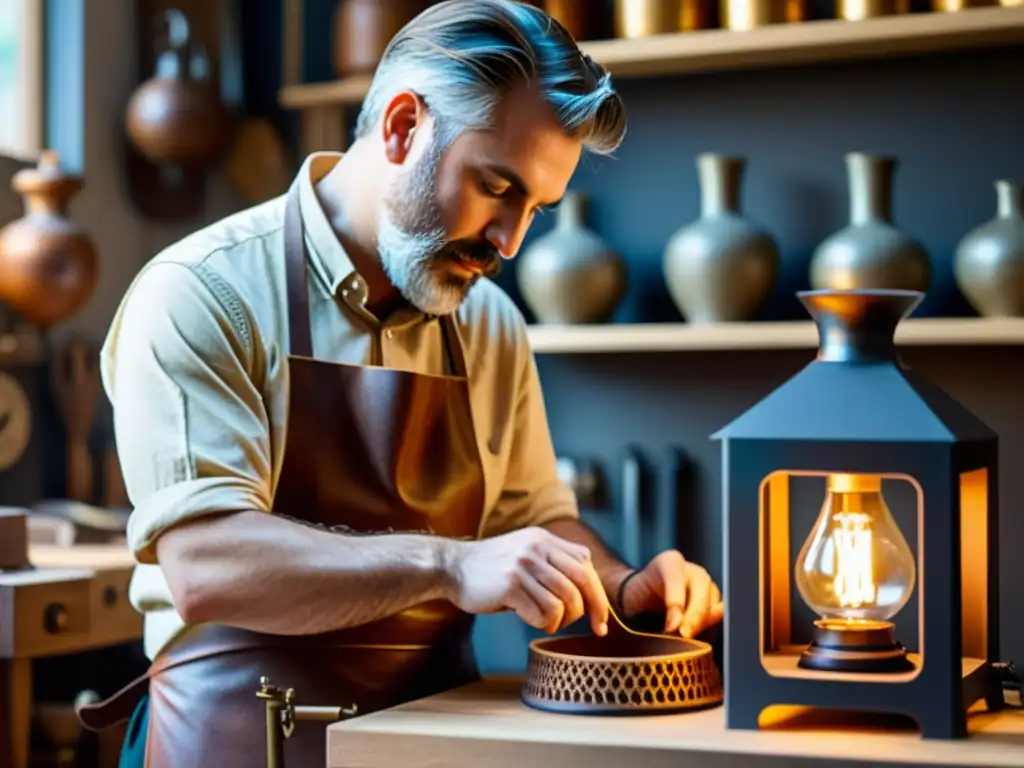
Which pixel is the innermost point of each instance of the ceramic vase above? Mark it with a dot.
(570, 276)
(49, 265)
(721, 267)
(989, 261)
(870, 252)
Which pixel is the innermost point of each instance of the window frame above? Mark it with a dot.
(31, 75)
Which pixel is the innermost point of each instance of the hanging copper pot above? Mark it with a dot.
(48, 264)
(176, 118)
(363, 29)
(574, 15)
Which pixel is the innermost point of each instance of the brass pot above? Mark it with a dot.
(642, 18)
(949, 6)
(858, 10)
(739, 15)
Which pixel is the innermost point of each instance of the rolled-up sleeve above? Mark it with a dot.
(192, 432)
(532, 493)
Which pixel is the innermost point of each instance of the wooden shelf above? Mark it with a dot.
(680, 337)
(773, 45)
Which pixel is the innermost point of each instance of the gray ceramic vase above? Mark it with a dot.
(989, 262)
(570, 276)
(870, 252)
(721, 267)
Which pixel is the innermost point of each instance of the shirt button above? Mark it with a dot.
(389, 333)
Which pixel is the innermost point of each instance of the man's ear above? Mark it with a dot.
(403, 115)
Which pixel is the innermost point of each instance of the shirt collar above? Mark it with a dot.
(327, 256)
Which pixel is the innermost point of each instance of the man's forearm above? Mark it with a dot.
(608, 566)
(268, 574)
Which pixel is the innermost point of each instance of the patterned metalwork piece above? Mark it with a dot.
(625, 672)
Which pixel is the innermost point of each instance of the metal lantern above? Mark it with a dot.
(862, 609)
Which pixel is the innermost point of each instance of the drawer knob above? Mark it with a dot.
(109, 596)
(55, 618)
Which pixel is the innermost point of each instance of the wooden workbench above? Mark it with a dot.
(76, 600)
(486, 725)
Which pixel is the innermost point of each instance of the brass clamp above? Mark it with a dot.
(282, 714)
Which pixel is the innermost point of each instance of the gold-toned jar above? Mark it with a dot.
(948, 6)
(739, 15)
(641, 18)
(858, 10)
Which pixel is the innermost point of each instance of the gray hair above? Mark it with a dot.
(461, 56)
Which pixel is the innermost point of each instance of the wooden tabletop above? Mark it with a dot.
(485, 724)
(93, 556)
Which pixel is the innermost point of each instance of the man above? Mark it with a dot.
(330, 422)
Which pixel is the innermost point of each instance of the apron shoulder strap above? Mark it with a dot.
(455, 352)
(297, 281)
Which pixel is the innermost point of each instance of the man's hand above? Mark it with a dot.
(691, 600)
(548, 581)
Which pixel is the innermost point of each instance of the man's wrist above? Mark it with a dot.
(619, 597)
(448, 555)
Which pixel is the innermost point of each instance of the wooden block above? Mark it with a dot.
(13, 538)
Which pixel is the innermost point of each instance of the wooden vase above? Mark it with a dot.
(48, 264)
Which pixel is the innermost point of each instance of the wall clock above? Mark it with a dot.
(15, 421)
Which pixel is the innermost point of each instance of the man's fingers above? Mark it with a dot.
(585, 578)
(717, 612)
(670, 577)
(560, 585)
(576, 551)
(540, 609)
(700, 587)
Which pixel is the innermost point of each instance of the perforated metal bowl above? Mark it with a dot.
(621, 674)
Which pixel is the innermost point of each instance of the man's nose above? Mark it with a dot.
(507, 235)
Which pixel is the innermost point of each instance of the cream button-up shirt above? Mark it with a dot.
(195, 366)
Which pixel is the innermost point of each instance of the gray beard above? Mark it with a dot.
(409, 238)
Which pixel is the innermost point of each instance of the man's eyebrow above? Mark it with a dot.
(516, 181)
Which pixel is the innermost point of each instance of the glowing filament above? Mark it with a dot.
(854, 582)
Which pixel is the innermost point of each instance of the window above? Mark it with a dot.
(21, 77)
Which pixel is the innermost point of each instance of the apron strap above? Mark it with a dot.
(454, 354)
(297, 281)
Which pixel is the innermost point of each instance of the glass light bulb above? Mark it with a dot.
(855, 564)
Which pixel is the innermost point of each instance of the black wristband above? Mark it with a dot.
(622, 591)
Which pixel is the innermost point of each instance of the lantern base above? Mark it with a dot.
(864, 646)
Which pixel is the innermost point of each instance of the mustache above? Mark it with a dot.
(483, 254)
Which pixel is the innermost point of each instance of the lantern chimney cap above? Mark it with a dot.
(858, 389)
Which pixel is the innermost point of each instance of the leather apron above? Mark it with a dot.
(369, 450)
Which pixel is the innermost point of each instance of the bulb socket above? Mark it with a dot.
(854, 484)
(838, 646)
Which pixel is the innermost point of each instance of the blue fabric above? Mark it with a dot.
(133, 751)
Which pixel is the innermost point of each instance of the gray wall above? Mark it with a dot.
(954, 121)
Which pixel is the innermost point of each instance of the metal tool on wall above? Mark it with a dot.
(630, 508)
(76, 384)
(642, 497)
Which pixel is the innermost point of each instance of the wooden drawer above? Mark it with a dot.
(53, 611)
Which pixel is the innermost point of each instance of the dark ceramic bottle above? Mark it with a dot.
(570, 275)
(989, 262)
(721, 267)
(870, 252)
